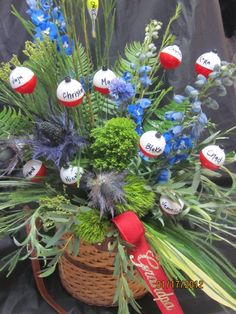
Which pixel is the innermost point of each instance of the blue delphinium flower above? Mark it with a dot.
(137, 112)
(58, 19)
(174, 116)
(87, 83)
(143, 70)
(127, 76)
(48, 29)
(196, 106)
(202, 119)
(164, 176)
(66, 44)
(39, 17)
(46, 4)
(33, 4)
(143, 76)
(179, 98)
(198, 126)
(176, 130)
(177, 158)
(144, 103)
(139, 130)
(145, 158)
(177, 146)
(56, 140)
(121, 91)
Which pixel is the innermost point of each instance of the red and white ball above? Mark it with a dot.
(171, 57)
(22, 80)
(102, 79)
(212, 157)
(71, 174)
(70, 92)
(170, 207)
(206, 62)
(152, 144)
(34, 170)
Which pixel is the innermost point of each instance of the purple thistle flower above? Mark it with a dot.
(56, 140)
(106, 190)
(121, 91)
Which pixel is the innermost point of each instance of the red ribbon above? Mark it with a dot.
(141, 255)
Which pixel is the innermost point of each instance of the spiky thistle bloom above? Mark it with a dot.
(56, 140)
(10, 154)
(106, 190)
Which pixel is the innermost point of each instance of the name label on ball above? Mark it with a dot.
(204, 61)
(214, 157)
(17, 80)
(151, 148)
(105, 81)
(30, 172)
(67, 95)
(71, 179)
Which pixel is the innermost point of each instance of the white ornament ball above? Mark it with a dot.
(152, 144)
(22, 80)
(212, 157)
(102, 79)
(70, 175)
(70, 92)
(206, 62)
(34, 170)
(170, 57)
(170, 207)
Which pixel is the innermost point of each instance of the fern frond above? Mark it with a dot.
(12, 123)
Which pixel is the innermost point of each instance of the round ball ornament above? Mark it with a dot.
(212, 157)
(170, 57)
(102, 79)
(152, 144)
(70, 92)
(34, 170)
(206, 62)
(22, 80)
(70, 175)
(171, 207)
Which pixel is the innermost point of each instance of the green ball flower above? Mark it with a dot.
(115, 144)
(137, 195)
(91, 228)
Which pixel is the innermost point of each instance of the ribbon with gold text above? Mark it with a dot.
(141, 255)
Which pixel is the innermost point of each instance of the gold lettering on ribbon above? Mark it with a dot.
(147, 262)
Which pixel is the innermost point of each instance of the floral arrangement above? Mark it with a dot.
(84, 141)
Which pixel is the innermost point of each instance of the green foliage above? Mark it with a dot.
(115, 144)
(13, 123)
(139, 198)
(5, 68)
(91, 228)
(124, 271)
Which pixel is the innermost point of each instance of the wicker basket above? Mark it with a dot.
(88, 277)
